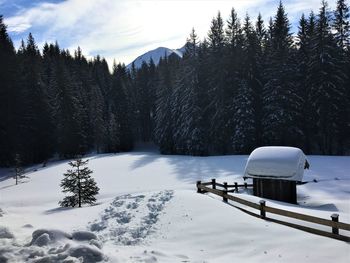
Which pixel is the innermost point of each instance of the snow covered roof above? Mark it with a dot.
(276, 162)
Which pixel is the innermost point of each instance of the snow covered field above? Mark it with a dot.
(148, 211)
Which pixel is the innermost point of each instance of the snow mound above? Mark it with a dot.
(83, 235)
(87, 253)
(131, 218)
(5, 233)
(52, 235)
(42, 240)
(27, 226)
(53, 246)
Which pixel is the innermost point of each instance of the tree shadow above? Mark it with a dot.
(58, 210)
(5, 177)
(14, 183)
(6, 173)
(63, 209)
(102, 155)
(145, 159)
(191, 169)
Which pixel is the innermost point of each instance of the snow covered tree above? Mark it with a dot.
(119, 103)
(244, 135)
(341, 24)
(305, 34)
(281, 102)
(252, 75)
(189, 91)
(232, 69)
(326, 81)
(163, 131)
(341, 31)
(81, 186)
(218, 90)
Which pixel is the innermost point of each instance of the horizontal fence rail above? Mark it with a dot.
(263, 208)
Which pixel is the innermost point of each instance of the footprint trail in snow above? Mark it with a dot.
(131, 218)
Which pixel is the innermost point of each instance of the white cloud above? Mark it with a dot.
(123, 29)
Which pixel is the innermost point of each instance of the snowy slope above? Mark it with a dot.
(148, 211)
(155, 54)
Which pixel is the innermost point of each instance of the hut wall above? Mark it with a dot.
(281, 190)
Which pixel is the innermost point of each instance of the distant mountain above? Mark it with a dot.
(156, 54)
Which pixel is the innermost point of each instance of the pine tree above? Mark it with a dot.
(233, 32)
(305, 33)
(192, 135)
(233, 58)
(281, 101)
(164, 123)
(244, 135)
(325, 78)
(341, 29)
(220, 93)
(143, 102)
(35, 120)
(71, 106)
(78, 182)
(121, 119)
(8, 97)
(19, 171)
(216, 34)
(99, 108)
(251, 85)
(341, 24)
(260, 33)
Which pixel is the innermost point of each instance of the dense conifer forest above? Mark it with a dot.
(249, 83)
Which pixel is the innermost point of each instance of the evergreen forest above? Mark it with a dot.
(249, 83)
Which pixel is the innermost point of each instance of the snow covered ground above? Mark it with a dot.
(148, 211)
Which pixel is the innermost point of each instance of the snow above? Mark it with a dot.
(5, 233)
(286, 163)
(83, 235)
(148, 211)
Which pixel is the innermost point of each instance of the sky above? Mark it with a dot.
(124, 29)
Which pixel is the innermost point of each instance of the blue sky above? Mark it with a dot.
(124, 29)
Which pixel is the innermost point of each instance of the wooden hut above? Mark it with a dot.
(275, 171)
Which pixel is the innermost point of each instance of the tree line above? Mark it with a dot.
(247, 84)
(56, 103)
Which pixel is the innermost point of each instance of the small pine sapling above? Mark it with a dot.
(81, 186)
(19, 171)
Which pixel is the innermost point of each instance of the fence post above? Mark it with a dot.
(213, 182)
(225, 192)
(198, 189)
(245, 185)
(262, 209)
(335, 218)
(236, 187)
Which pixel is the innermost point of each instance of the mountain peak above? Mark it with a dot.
(156, 54)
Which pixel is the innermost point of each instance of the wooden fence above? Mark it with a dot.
(334, 223)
